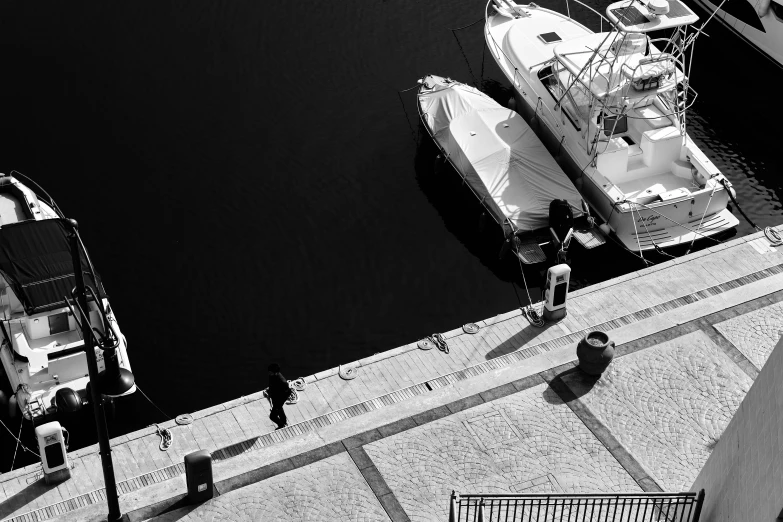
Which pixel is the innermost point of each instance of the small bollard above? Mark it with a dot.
(198, 475)
(52, 445)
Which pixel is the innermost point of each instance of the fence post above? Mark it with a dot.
(699, 503)
(453, 515)
(481, 511)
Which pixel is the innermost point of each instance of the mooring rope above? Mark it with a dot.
(772, 235)
(18, 440)
(714, 188)
(13, 462)
(438, 340)
(414, 135)
(532, 315)
(461, 50)
(466, 26)
(150, 401)
(652, 240)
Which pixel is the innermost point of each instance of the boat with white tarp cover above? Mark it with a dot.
(504, 163)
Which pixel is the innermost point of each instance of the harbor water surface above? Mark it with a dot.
(254, 188)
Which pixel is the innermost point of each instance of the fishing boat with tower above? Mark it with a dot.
(612, 105)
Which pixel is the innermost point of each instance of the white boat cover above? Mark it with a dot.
(497, 152)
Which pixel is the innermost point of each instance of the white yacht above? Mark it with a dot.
(42, 349)
(760, 23)
(615, 103)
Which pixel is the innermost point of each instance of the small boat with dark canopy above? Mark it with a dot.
(42, 350)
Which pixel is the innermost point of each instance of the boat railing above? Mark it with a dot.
(49, 199)
(601, 17)
(540, 107)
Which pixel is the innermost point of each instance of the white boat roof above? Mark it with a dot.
(574, 54)
(496, 151)
(604, 76)
(632, 16)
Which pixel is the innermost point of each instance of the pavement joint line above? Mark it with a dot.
(160, 475)
(599, 430)
(378, 485)
(729, 349)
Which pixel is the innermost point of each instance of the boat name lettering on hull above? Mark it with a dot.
(649, 220)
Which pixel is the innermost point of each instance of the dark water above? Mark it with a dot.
(251, 186)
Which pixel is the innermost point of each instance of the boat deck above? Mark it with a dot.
(244, 445)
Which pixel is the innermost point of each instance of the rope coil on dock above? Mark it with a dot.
(166, 438)
(184, 419)
(298, 384)
(773, 236)
(437, 340)
(471, 328)
(425, 344)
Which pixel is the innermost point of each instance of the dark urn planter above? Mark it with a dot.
(595, 352)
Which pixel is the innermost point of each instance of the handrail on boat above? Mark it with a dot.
(46, 194)
(600, 16)
(554, 119)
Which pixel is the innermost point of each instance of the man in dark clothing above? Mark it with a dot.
(278, 392)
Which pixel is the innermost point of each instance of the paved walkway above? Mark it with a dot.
(504, 411)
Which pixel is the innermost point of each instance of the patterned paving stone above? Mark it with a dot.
(527, 442)
(328, 490)
(668, 404)
(756, 333)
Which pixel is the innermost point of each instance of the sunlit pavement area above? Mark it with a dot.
(648, 424)
(506, 411)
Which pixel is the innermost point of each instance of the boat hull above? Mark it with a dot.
(768, 42)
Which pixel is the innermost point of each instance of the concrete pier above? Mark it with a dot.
(504, 411)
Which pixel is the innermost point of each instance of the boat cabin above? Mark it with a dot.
(626, 99)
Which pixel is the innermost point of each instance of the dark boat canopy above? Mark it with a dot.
(35, 259)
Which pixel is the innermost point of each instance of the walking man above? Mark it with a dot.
(278, 392)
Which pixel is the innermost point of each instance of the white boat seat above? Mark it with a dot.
(675, 194)
(648, 72)
(649, 194)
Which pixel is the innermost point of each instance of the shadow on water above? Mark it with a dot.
(459, 209)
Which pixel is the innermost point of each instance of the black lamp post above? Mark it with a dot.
(113, 381)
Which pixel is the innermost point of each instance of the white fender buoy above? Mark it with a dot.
(512, 104)
(605, 229)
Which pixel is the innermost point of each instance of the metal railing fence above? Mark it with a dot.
(596, 507)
